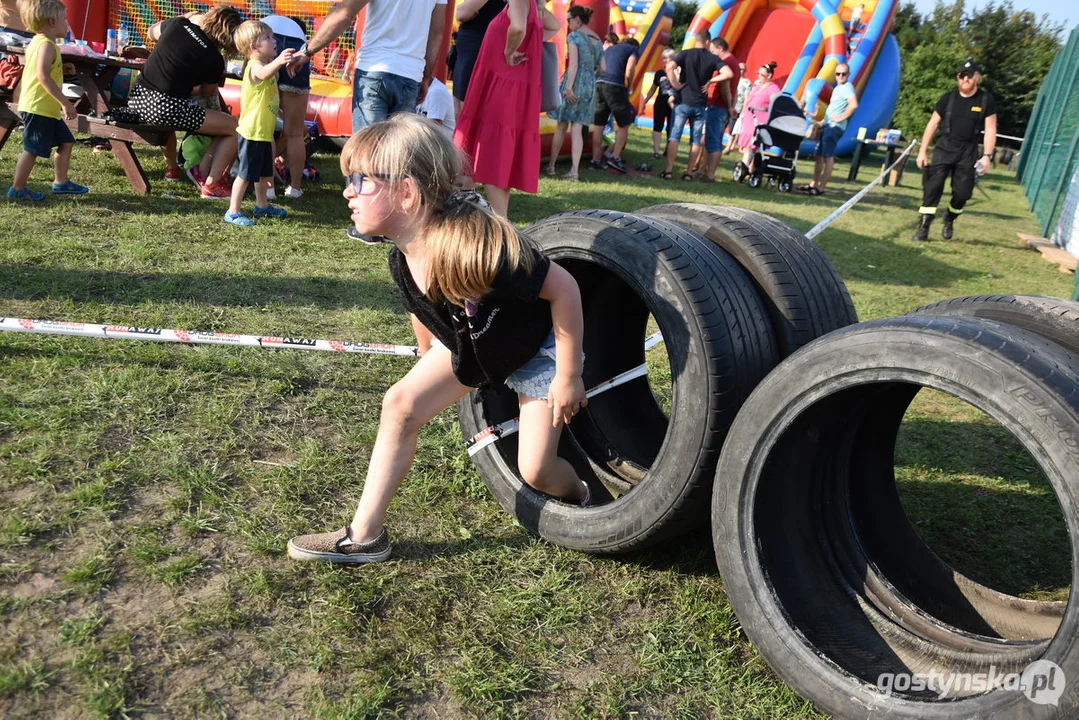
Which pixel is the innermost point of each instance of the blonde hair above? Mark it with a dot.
(219, 23)
(467, 244)
(249, 32)
(36, 14)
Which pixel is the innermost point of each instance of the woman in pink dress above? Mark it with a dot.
(499, 123)
(756, 112)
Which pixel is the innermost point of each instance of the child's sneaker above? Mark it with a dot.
(275, 213)
(617, 164)
(69, 188)
(217, 191)
(293, 193)
(196, 176)
(239, 219)
(174, 174)
(25, 194)
(338, 547)
(355, 234)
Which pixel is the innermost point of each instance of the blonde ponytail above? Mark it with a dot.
(467, 246)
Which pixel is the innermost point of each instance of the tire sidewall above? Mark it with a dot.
(845, 359)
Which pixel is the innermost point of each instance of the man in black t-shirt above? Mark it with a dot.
(697, 65)
(963, 114)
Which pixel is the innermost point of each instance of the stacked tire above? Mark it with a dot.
(733, 292)
(826, 572)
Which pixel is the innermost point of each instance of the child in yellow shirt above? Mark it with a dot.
(42, 106)
(259, 102)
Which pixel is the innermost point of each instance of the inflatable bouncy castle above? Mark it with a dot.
(808, 38)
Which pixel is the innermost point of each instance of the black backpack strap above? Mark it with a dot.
(948, 112)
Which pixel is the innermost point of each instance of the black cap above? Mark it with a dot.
(969, 66)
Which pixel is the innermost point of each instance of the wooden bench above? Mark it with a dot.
(121, 137)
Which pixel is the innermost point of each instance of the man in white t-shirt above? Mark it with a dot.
(396, 57)
(438, 106)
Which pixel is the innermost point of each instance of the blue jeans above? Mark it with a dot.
(715, 123)
(694, 114)
(377, 95)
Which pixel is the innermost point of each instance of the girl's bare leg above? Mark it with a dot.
(537, 453)
(428, 388)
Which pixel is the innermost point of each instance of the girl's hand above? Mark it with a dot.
(515, 57)
(566, 398)
(571, 97)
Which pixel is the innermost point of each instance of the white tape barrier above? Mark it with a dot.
(196, 337)
(489, 435)
(819, 227)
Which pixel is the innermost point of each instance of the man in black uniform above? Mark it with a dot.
(966, 113)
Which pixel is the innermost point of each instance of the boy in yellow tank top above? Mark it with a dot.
(41, 104)
(259, 101)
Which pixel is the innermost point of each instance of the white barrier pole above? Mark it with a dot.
(819, 227)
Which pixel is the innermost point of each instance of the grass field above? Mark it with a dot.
(147, 491)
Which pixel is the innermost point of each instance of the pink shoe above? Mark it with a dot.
(196, 176)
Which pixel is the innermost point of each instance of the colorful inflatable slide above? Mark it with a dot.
(808, 38)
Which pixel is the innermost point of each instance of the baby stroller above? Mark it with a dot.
(785, 130)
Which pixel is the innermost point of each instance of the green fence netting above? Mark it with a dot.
(1050, 154)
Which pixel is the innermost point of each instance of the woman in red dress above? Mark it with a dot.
(499, 123)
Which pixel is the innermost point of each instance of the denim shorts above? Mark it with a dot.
(534, 378)
(40, 134)
(377, 95)
(301, 81)
(694, 115)
(829, 138)
(254, 160)
(715, 123)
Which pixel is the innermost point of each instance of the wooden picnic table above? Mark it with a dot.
(95, 74)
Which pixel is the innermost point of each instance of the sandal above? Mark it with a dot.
(572, 177)
(814, 192)
(666, 175)
(706, 179)
(550, 170)
(687, 176)
(69, 188)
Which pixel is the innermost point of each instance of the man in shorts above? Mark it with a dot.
(612, 100)
(697, 67)
(720, 104)
(836, 118)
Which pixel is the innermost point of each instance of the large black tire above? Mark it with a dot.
(1052, 318)
(822, 568)
(650, 477)
(804, 294)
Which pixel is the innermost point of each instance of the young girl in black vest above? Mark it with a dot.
(486, 307)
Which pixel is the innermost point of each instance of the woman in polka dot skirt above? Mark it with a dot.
(188, 54)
